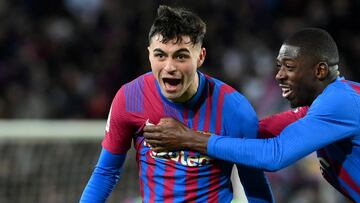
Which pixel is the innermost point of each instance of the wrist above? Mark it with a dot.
(199, 142)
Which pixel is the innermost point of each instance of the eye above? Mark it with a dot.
(181, 57)
(289, 67)
(159, 55)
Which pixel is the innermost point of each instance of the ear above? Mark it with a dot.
(322, 70)
(149, 52)
(201, 58)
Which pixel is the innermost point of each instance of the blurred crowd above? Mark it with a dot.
(67, 59)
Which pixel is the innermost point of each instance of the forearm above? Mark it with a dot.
(104, 178)
(255, 153)
(295, 142)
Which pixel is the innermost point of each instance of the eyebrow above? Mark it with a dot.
(176, 52)
(284, 59)
(182, 50)
(158, 50)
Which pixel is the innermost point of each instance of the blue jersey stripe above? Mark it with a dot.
(159, 181)
(190, 123)
(146, 188)
(203, 183)
(348, 189)
(180, 183)
(132, 92)
(127, 95)
(137, 97)
(225, 193)
(134, 96)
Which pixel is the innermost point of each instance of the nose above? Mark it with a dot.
(170, 66)
(281, 74)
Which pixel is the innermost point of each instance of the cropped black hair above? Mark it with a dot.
(317, 43)
(174, 23)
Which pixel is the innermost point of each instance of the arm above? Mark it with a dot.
(104, 177)
(323, 125)
(171, 135)
(115, 144)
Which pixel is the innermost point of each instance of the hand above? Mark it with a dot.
(172, 135)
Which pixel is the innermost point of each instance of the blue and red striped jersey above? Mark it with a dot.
(183, 176)
(331, 127)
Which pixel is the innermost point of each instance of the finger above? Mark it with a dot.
(153, 142)
(152, 135)
(158, 149)
(151, 128)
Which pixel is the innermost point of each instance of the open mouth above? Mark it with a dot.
(171, 84)
(286, 90)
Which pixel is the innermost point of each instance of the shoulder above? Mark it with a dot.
(238, 114)
(138, 84)
(339, 99)
(130, 93)
(140, 81)
(222, 88)
(340, 92)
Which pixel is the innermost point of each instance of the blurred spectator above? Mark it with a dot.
(67, 59)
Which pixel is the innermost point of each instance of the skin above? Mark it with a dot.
(175, 65)
(301, 77)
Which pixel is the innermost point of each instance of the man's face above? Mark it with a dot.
(296, 76)
(174, 65)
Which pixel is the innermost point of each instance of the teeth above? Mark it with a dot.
(286, 91)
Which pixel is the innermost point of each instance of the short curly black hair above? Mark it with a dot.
(317, 43)
(174, 23)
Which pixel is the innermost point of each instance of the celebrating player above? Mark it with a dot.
(176, 88)
(308, 76)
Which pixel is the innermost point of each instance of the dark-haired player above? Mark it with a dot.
(308, 76)
(176, 88)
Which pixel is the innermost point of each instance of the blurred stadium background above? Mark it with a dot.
(61, 62)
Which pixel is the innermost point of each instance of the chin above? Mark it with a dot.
(172, 97)
(294, 105)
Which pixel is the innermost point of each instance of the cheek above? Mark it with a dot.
(155, 68)
(189, 70)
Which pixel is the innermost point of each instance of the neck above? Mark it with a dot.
(323, 84)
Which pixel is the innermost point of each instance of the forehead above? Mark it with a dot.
(288, 52)
(173, 44)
